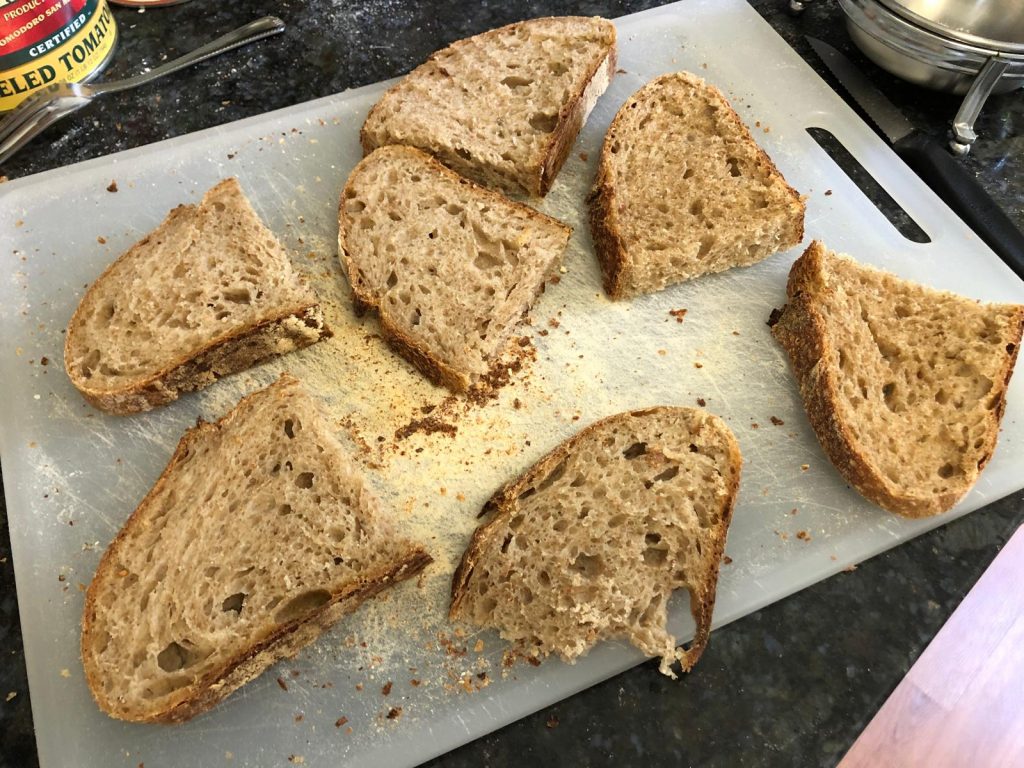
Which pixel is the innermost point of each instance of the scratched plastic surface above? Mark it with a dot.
(73, 475)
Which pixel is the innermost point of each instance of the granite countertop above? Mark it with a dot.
(792, 684)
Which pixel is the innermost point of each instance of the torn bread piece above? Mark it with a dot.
(590, 542)
(904, 385)
(504, 107)
(208, 293)
(260, 534)
(683, 190)
(450, 267)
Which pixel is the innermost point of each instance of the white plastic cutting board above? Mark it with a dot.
(73, 475)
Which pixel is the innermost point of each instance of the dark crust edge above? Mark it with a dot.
(434, 369)
(609, 243)
(233, 353)
(191, 371)
(287, 640)
(538, 180)
(504, 505)
(801, 331)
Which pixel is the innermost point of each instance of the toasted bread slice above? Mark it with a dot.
(683, 190)
(504, 107)
(208, 293)
(904, 385)
(450, 266)
(590, 542)
(259, 534)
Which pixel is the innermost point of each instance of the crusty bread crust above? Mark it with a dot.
(290, 328)
(295, 328)
(571, 116)
(284, 642)
(606, 231)
(434, 369)
(504, 505)
(801, 330)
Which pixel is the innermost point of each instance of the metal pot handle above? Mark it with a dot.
(963, 124)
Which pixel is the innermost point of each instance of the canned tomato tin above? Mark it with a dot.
(46, 41)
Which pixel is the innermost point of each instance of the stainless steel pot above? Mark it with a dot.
(971, 47)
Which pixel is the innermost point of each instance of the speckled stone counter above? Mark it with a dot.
(790, 685)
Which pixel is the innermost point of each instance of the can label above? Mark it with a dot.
(45, 41)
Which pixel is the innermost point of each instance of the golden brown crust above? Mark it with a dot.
(610, 245)
(435, 370)
(801, 330)
(571, 115)
(503, 505)
(285, 641)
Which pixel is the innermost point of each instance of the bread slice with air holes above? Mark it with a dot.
(208, 293)
(259, 534)
(450, 267)
(683, 190)
(504, 107)
(904, 385)
(590, 542)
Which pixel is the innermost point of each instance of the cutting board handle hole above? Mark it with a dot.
(859, 175)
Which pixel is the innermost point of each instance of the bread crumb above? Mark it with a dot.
(698, 365)
(296, 759)
(793, 511)
(701, 402)
(678, 314)
(552, 721)
(44, 360)
(804, 467)
(112, 186)
(754, 425)
(777, 421)
(662, 352)
(803, 535)
(828, 193)
(584, 156)
(782, 535)
(65, 672)
(11, 695)
(101, 240)
(283, 685)
(19, 223)
(359, 686)
(414, 683)
(479, 647)
(340, 721)
(394, 713)
(386, 690)
(299, 717)
(726, 560)
(850, 568)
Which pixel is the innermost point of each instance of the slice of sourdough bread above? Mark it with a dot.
(450, 266)
(209, 292)
(904, 385)
(504, 107)
(683, 190)
(259, 534)
(590, 542)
